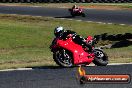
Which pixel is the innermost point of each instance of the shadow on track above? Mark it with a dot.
(64, 17)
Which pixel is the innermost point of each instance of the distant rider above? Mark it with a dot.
(63, 34)
(75, 8)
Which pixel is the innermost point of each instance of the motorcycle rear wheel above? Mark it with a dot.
(63, 58)
(101, 58)
(72, 14)
(83, 15)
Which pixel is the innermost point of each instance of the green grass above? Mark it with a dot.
(65, 5)
(25, 40)
(120, 55)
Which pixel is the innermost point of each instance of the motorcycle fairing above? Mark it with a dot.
(79, 55)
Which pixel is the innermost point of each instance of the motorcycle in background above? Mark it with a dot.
(77, 12)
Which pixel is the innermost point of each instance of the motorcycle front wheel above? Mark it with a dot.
(63, 58)
(101, 58)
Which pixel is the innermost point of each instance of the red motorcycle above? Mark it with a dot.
(67, 53)
(77, 12)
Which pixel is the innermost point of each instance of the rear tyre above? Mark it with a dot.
(63, 58)
(101, 58)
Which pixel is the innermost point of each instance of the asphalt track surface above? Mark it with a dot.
(54, 77)
(107, 16)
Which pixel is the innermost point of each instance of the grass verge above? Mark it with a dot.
(25, 40)
(108, 6)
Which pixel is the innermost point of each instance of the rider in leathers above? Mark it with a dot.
(63, 34)
(75, 8)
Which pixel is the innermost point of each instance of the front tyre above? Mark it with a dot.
(101, 58)
(63, 58)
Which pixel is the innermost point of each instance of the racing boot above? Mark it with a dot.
(87, 47)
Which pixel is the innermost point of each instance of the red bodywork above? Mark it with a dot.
(79, 10)
(80, 56)
(76, 12)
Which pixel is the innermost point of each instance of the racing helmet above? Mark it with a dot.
(58, 31)
(74, 6)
